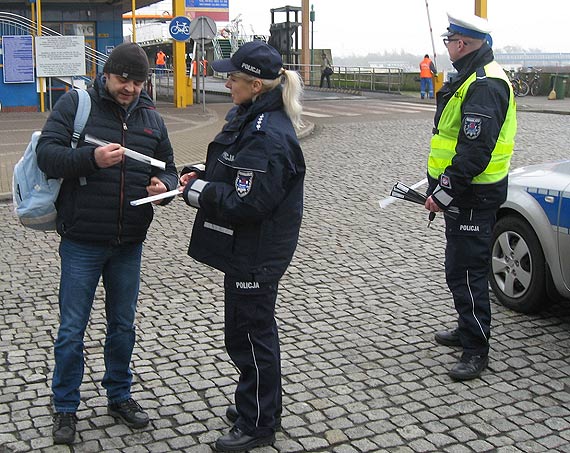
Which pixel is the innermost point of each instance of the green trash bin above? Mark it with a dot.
(559, 82)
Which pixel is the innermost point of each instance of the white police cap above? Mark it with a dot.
(467, 25)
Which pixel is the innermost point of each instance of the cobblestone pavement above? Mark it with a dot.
(357, 312)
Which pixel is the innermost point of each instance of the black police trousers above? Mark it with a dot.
(467, 264)
(252, 343)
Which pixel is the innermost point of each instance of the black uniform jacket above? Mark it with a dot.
(488, 99)
(250, 210)
(100, 211)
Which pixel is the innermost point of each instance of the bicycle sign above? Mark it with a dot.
(180, 28)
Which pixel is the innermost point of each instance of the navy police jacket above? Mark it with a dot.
(251, 208)
(100, 211)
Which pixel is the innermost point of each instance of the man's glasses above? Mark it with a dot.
(446, 41)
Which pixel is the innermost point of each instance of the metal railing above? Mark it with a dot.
(371, 79)
(356, 78)
(160, 83)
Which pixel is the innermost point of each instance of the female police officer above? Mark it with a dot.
(250, 202)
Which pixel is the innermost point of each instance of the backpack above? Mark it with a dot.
(33, 193)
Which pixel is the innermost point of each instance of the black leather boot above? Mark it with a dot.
(469, 367)
(448, 337)
(64, 427)
(236, 441)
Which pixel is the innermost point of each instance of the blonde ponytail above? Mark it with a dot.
(292, 93)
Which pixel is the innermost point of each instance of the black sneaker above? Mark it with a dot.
(232, 415)
(237, 441)
(129, 412)
(64, 427)
(469, 367)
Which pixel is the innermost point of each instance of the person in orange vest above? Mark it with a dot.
(427, 71)
(160, 61)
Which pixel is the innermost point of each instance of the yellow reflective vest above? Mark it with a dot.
(443, 143)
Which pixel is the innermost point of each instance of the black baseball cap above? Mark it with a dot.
(255, 58)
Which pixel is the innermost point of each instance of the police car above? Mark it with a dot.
(531, 239)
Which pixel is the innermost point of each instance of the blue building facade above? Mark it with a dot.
(99, 22)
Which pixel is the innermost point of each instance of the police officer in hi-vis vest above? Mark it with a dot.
(471, 148)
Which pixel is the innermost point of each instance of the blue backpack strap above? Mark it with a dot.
(81, 116)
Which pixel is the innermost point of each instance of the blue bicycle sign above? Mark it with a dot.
(180, 28)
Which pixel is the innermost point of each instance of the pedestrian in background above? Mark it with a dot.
(427, 71)
(326, 70)
(160, 62)
(250, 204)
(101, 233)
(475, 126)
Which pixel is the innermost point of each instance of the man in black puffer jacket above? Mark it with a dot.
(101, 233)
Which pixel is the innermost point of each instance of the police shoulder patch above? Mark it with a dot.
(472, 127)
(244, 180)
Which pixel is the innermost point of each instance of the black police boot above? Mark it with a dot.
(64, 427)
(448, 337)
(469, 367)
(129, 412)
(232, 415)
(237, 441)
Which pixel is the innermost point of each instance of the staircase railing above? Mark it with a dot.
(217, 49)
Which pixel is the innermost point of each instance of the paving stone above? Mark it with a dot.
(313, 443)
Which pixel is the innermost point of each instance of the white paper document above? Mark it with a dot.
(129, 153)
(388, 201)
(160, 196)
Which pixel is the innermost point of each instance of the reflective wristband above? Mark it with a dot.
(192, 194)
(442, 197)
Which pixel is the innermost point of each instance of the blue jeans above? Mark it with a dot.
(82, 265)
(426, 85)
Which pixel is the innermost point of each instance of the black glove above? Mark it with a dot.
(200, 170)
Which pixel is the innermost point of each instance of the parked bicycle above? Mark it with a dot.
(535, 82)
(520, 86)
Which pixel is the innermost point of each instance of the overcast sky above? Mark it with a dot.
(359, 27)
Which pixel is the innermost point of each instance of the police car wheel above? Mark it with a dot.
(518, 269)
